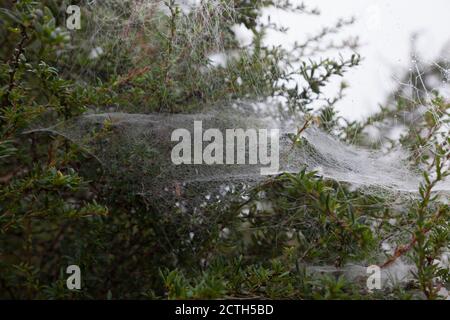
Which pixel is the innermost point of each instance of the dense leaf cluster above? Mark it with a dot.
(58, 207)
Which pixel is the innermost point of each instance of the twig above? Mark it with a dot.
(14, 63)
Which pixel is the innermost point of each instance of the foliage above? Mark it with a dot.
(57, 207)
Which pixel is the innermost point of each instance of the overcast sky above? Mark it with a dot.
(385, 28)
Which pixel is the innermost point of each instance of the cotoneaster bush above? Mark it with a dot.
(58, 207)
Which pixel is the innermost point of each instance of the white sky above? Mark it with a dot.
(385, 28)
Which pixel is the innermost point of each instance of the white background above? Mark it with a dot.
(385, 29)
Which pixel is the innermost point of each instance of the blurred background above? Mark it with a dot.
(394, 36)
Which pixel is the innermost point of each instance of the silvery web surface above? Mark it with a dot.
(139, 147)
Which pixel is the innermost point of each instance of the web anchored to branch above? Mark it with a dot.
(140, 147)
